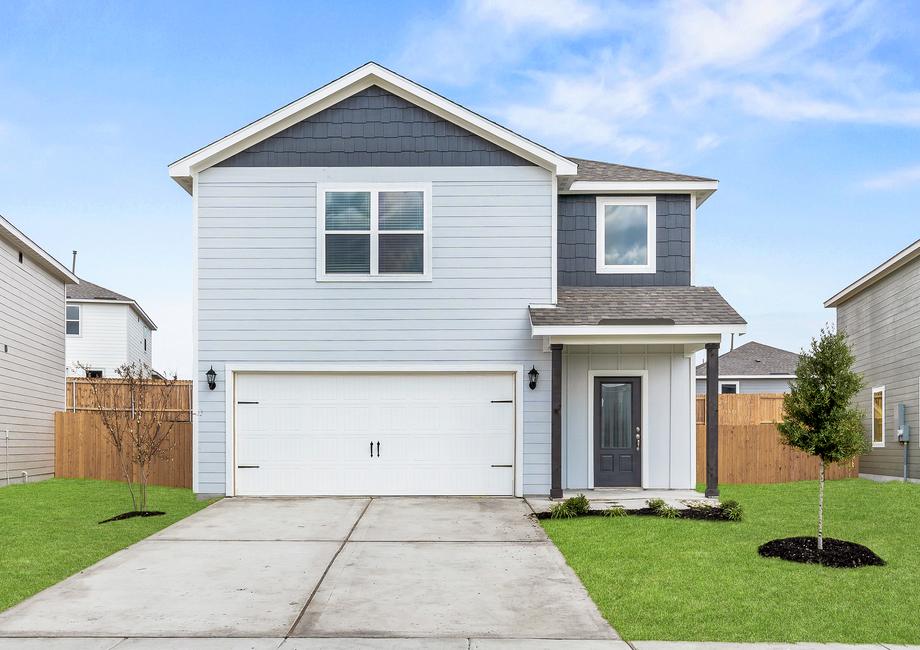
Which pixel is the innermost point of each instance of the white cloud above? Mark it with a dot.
(567, 16)
(707, 141)
(895, 179)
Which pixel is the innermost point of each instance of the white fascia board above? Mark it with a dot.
(702, 190)
(885, 268)
(750, 376)
(137, 308)
(44, 259)
(637, 330)
(367, 75)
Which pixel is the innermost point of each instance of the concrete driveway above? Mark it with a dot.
(325, 573)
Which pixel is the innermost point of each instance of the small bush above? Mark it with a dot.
(561, 510)
(579, 505)
(615, 511)
(668, 512)
(655, 505)
(732, 510)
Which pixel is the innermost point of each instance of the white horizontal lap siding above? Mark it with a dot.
(258, 300)
(32, 367)
(103, 340)
(136, 333)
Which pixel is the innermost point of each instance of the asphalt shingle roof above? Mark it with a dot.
(595, 170)
(89, 291)
(754, 358)
(637, 306)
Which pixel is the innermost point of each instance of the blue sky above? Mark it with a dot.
(808, 112)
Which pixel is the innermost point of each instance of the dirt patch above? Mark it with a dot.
(132, 514)
(837, 552)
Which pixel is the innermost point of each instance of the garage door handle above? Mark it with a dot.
(247, 467)
(378, 449)
(372, 448)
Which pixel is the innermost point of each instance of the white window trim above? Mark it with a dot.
(877, 389)
(736, 384)
(373, 188)
(79, 320)
(600, 238)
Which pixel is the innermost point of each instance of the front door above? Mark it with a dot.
(617, 431)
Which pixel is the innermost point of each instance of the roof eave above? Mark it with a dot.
(884, 269)
(370, 74)
(43, 258)
(112, 301)
(701, 189)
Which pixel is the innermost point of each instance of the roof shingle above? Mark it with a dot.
(754, 358)
(88, 291)
(637, 306)
(595, 170)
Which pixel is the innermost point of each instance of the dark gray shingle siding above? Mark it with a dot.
(577, 252)
(374, 128)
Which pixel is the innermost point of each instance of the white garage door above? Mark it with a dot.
(374, 433)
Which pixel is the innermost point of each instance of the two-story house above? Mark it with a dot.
(395, 295)
(879, 313)
(105, 330)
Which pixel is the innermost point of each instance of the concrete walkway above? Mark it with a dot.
(325, 573)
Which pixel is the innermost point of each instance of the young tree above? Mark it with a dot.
(135, 411)
(817, 414)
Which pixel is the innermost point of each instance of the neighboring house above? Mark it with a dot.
(105, 330)
(880, 313)
(399, 296)
(31, 355)
(752, 368)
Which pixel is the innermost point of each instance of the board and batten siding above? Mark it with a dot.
(258, 299)
(31, 365)
(882, 324)
(668, 441)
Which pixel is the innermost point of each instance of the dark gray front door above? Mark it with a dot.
(617, 431)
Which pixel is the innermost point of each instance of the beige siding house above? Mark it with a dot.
(880, 314)
(31, 355)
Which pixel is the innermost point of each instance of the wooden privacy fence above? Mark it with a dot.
(82, 449)
(80, 395)
(750, 450)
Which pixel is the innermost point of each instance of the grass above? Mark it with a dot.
(51, 530)
(691, 580)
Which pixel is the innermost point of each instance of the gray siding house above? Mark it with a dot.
(880, 313)
(752, 368)
(395, 295)
(31, 355)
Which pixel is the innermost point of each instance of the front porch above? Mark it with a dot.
(623, 390)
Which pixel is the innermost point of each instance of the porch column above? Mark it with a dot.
(555, 491)
(712, 419)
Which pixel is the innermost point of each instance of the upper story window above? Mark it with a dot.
(626, 234)
(72, 320)
(878, 417)
(380, 232)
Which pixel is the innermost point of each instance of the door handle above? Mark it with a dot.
(378, 449)
(638, 440)
(372, 448)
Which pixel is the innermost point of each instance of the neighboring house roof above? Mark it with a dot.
(668, 306)
(369, 74)
(886, 268)
(89, 292)
(41, 257)
(755, 359)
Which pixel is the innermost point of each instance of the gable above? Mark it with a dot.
(374, 128)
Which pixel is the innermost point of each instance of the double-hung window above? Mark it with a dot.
(380, 232)
(72, 320)
(626, 234)
(878, 417)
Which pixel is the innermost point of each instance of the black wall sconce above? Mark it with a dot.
(533, 374)
(212, 378)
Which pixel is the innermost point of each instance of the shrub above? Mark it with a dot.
(732, 510)
(561, 510)
(615, 511)
(655, 505)
(668, 512)
(579, 505)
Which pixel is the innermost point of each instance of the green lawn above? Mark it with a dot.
(51, 530)
(704, 581)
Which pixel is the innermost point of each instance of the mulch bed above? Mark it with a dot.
(133, 513)
(715, 513)
(837, 552)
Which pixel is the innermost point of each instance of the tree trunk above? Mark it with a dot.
(821, 508)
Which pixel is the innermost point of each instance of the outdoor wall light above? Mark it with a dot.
(212, 378)
(533, 374)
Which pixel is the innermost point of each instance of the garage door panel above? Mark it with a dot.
(438, 433)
